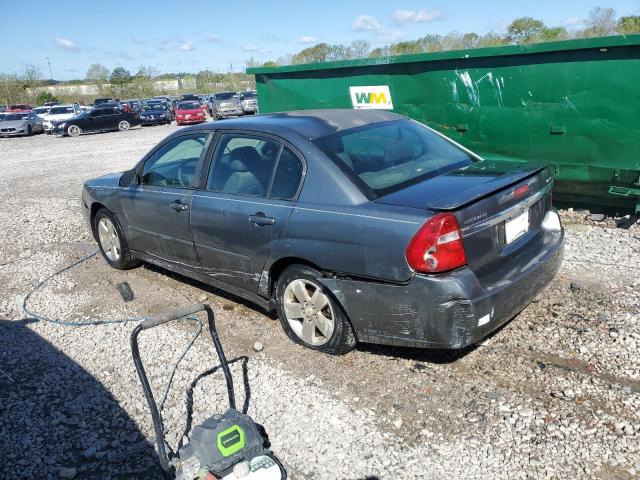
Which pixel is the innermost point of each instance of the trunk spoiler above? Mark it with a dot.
(461, 199)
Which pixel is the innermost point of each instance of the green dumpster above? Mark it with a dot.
(573, 104)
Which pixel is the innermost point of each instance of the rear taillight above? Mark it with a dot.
(437, 246)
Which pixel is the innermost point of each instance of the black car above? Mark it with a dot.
(355, 225)
(100, 119)
(155, 113)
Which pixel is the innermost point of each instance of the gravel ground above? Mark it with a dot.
(554, 394)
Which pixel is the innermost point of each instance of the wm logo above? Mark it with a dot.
(371, 97)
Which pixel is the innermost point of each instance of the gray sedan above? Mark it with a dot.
(355, 225)
(20, 123)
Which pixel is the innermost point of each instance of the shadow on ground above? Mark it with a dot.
(58, 421)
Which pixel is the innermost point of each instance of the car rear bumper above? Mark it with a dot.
(190, 121)
(451, 310)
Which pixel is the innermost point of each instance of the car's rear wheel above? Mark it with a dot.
(123, 126)
(310, 314)
(112, 242)
(74, 130)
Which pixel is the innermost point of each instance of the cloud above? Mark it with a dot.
(65, 44)
(401, 17)
(212, 37)
(186, 46)
(365, 22)
(307, 39)
(138, 41)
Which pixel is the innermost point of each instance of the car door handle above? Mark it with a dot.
(261, 219)
(178, 206)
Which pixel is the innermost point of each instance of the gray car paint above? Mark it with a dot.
(359, 244)
(34, 121)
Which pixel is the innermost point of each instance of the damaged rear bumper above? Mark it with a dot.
(451, 310)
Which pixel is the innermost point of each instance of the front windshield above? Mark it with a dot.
(225, 95)
(40, 110)
(60, 110)
(247, 95)
(16, 116)
(188, 106)
(153, 106)
(384, 157)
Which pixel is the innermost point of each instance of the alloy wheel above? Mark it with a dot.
(309, 312)
(74, 131)
(109, 240)
(123, 125)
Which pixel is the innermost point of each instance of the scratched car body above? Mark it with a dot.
(356, 226)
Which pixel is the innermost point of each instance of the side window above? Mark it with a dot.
(95, 113)
(111, 111)
(174, 164)
(243, 165)
(287, 177)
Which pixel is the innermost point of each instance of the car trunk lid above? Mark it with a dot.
(499, 207)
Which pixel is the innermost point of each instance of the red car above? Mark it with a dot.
(189, 112)
(21, 107)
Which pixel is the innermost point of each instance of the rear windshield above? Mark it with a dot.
(225, 95)
(60, 110)
(188, 106)
(384, 157)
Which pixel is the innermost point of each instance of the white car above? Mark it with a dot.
(58, 113)
(41, 111)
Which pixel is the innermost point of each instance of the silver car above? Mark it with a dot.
(20, 123)
(225, 105)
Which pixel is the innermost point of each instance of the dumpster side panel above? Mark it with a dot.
(578, 110)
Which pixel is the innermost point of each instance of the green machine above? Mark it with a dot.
(572, 104)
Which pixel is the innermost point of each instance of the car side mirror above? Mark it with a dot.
(130, 177)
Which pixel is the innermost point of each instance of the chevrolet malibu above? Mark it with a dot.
(355, 225)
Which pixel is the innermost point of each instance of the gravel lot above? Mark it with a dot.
(554, 394)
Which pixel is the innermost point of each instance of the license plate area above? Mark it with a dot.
(516, 226)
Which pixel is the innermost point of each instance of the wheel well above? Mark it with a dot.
(279, 265)
(95, 206)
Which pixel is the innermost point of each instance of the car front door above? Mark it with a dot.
(158, 209)
(241, 210)
(93, 121)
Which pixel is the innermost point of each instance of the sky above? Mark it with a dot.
(189, 36)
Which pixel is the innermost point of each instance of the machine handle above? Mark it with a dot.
(172, 315)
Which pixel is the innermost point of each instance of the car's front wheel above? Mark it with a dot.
(123, 126)
(112, 242)
(310, 314)
(74, 130)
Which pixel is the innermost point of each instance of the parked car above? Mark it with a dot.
(41, 111)
(189, 96)
(189, 112)
(20, 107)
(100, 119)
(155, 113)
(51, 104)
(249, 102)
(225, 105)
(355, 225)
(3, 108)
(20, 123)
(58, 114)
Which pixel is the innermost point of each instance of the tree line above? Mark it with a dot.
(600, 22)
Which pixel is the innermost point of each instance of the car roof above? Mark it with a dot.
(310, 124)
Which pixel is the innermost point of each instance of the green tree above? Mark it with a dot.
(32, 80)
(629, 25)
(317, 53)
(525, 30)
(44, 97)
(552, 34)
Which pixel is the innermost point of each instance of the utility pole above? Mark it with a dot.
(50, 74)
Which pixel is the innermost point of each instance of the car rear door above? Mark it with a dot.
(158, 209)
(241, 210)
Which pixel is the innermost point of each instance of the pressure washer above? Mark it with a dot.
(226, 446)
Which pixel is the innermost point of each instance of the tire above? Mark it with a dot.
(74, 130)
(123, 126)
(112, 242)
(327, 328)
